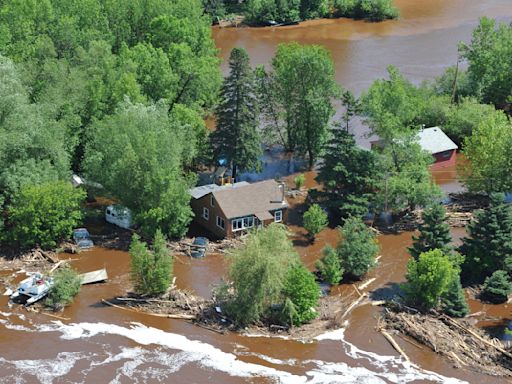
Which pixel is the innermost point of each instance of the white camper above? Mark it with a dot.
(119, 215)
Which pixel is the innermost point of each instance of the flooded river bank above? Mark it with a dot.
(100, 344)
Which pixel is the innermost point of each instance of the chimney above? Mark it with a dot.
(282, 188)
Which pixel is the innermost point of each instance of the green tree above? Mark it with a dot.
(352, 107)
(44, 214)
(236, 138)
(428, 279)
(315, 219)
(490, 66)
(453, 301)
(349, 175)
(434, 232)
(299, 181)
(329, 266)
(497, 287)
(304, 83)
(489, 167)
(301, 294)
(151, 271)
(66, 285)
(358, 248)
(258, 271)
(138, 155)
(489, 245)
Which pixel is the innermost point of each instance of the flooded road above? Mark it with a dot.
(100, 344)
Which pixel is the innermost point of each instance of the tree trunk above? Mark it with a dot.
(233, 172)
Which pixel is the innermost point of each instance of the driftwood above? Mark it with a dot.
(47, 314)
(142, 300)
(165, 315)
(367, 283)
(394, 344)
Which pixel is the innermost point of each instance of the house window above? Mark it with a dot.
(446, 154)
(212, 201)
(206, 213)
(242, 223)
(220, 222)
(278, 216)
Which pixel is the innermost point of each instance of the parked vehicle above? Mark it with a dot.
(82, 238)
(119, 215)
(199, 246)
(34, 287)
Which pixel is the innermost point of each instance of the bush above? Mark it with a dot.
(329, 266)
(301, 293)
(374, 10)
(428, 279)
(315, 219)
(358, 248)
(151, 271)
(66, 285)
(497, 287)
(44, 214)
(299, 181)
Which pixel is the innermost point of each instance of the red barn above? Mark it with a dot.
(435, 141)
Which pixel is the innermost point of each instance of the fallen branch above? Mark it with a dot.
(166, 315)
(47, 314)
(394, 344)
(352, 306)
(367, 283)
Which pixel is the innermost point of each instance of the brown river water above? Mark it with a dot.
(101, 344)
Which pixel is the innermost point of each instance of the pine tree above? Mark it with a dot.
(352, 107)
(434, 232)
(348, 174)
(489, 246)
(236, 139)
(497, 287)
(454, 303)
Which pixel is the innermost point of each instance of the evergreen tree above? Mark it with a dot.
(236, 138)
(358, 248)
(497, 287)
(434, 232)
(453, 302)
(329, 266)
(348, 174)
(489, 246)
(352, 107)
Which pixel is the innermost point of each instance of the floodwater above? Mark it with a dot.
(100, 344)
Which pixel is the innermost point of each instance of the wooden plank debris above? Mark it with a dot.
(94, 276)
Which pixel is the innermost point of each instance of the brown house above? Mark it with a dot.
(230, 210)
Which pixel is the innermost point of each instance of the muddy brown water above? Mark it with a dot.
(100, 344)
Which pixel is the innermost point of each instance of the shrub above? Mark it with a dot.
(358, 248)
(329, 266)
(497, 287)
(44, 214)
(301, 293)
(315, 219)
(66, 285)
(299, 181)
(151, 271)
(428, 279)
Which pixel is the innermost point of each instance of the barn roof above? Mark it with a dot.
(434, 140)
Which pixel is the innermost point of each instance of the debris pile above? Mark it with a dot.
(464, 345)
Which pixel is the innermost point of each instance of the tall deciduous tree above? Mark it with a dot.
(358, 248)
(490, 61)
(348, 174)
(488, 151)
(304, 84)
(236, 138)
(434, 232)
(489, 245)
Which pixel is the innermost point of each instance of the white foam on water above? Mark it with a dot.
(46, 370)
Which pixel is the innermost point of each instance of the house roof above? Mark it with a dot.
(250, 199)
(203, 190)
(434, 140)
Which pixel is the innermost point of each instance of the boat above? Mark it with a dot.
(35, 287)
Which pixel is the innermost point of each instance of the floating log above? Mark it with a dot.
(367, 283)
(142, 300)
(94, 276)
(394, 344)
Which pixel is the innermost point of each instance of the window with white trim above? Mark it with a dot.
(278, 216)
(242, 223)
(220, 222)
(206, 213)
